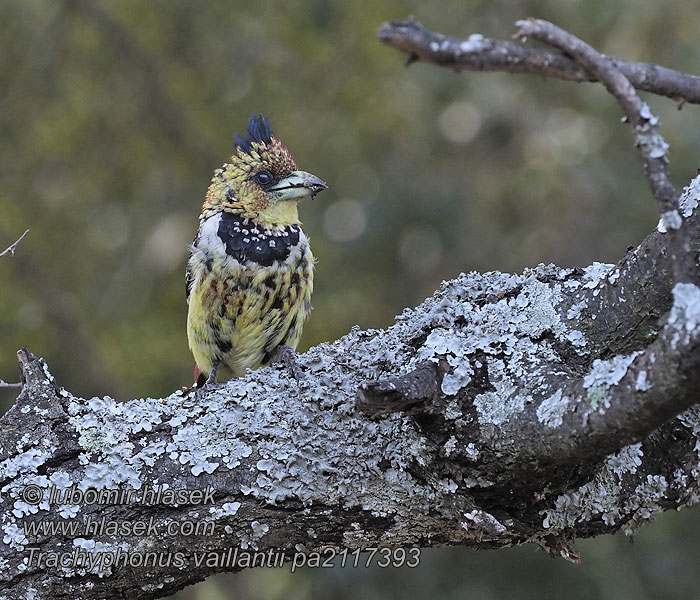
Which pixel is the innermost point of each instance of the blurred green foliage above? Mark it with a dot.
(116, 112)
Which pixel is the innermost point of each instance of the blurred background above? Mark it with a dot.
(116, 112)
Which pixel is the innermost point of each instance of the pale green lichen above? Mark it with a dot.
(595, 274)
(506, 330)
(498, 406)
(626, 460)
(690, 419)
(643, 503)
(642, 384)
(471, 451)
(474, 43)
(459, 378)
(687, 203)
(450, 446)
(603, 375)
(609, 372)
(684, 316)
(602, 496)
(647, 131)
(598, 397)
(551, 410)
(575, 310)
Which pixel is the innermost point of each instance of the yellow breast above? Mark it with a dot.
(249, 292)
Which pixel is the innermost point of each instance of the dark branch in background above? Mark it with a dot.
(581, 63)
(651, 144)
(11, 248)
(479, 53)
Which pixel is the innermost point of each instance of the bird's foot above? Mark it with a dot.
(202, 391)
(203, 388)
(288, 357)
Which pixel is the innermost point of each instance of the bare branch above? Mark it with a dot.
(651, 144)
(65, 315)
(479, 53)
(11, 247)
(581, 63)
(5, 384)
(11, 250)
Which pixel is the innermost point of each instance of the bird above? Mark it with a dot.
(250, 272)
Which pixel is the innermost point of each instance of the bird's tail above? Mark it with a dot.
(199, 378)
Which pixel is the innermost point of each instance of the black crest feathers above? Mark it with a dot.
(258, 131)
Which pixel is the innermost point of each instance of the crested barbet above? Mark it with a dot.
(250, 273)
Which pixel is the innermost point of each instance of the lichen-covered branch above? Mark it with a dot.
(506, 409)
(646, 127)
(479, 53)
(529, 431)
(580, 62)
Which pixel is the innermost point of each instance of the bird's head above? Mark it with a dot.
(261, 181)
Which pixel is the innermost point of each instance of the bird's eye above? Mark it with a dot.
(264, 177)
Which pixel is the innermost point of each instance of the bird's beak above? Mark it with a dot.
(299, 184)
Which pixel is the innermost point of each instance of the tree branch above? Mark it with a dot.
(650, 142)
(5, 384)
(479, 53)
(11, 251)
(516, 387)
(11, 248)
(633, 417)
(65, 315)
(581, 62)
(536, 408)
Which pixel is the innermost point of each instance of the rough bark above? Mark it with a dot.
(480, 53)
(533, 430)
(505, 409)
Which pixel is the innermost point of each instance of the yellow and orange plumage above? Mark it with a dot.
(250, 272)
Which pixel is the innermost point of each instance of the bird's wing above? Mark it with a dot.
(189, 280)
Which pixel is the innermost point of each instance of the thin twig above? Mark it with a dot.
(64, 314)
(5, 384)
(11, 250)
(11, 247)
(479, 53)
(651, 144)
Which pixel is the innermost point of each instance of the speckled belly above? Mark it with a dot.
(240, 312)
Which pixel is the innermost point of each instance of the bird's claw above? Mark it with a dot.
(208, 386)
(288, 357)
